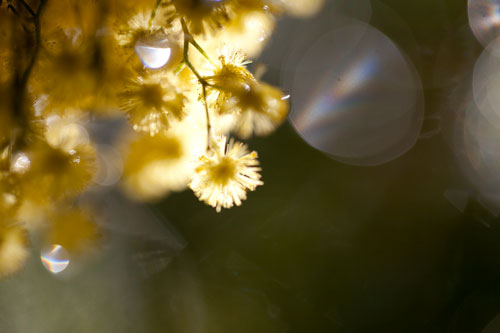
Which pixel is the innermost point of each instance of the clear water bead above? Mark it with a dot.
(55, 258)
(154, 51)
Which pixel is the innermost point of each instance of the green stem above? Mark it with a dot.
(200, 49)
(188, 39)
(22, 80)
(153, 13)
(28, 8)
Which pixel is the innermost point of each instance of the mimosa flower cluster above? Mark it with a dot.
(175, 69)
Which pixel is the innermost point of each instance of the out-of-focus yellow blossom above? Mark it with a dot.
(167, 163)
(140, 26)
(302, 8)
(56, 173)
(151, 60)
(66, 72)
(67, 132)
(72, 228)
(152, 103)
(6, 111)
(147, 38)
(248, 32)
(225, 173)
(67, 15)
(13, 248)
(259, 107)
(201, 16)
(122, 10)
(6, 24)
(9, 195)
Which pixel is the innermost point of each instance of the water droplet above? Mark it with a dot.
(154, 51)
(55, 259)
(484, 19)
(356, 97)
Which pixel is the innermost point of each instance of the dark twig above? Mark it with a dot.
(188, 39)
(28, 8)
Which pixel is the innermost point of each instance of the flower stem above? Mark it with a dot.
(188, 39)
(28, 8)
(153, 13)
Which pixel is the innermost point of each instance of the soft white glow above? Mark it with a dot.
(153, 56)
(55, 259)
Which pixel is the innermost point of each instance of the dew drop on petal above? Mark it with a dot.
(154, 52)
(484, 19)
(55, 258)
(356, 97)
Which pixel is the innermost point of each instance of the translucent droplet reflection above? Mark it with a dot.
(109, 166)
(484, 19)
(154, 52)
(55, 259)
(477, 144)
(356, 97)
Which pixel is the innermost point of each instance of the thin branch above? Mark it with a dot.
(153, 13)
(200, 49)
(28, 70)
(28, 8)
(24, 77)
(188, 39)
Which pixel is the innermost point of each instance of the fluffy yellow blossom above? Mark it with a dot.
(72, 228)
(248, 32)
(152, 103)
(9, 195)
(85, 16)
(6, 23)
(230, 72)
(225, 173)
(201, 16)
(303, 8)
(259, 108)
(13, 249)
(166, 164)
(66, 73)
(139, 26)
(6, 111)
(149, 39)
(56, 172)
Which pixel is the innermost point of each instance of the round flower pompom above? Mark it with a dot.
(230, 71)
(73, 229)
(201, 16)
(225, 173)
(260, 108)
(56, 173)
(66, 73)
(152, 103)
(157, 165)
(13, 249)
(303, 8)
